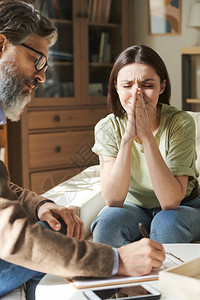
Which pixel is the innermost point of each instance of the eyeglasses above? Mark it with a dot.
(41, 63)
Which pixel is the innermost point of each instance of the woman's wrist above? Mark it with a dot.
(148, 140)
(127, 138)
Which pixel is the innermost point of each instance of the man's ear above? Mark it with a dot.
(163, 86)
(3, 43)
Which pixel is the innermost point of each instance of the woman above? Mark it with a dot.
(147, 155)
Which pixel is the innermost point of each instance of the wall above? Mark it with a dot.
(168, 47)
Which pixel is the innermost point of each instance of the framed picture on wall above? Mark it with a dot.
(164, 17)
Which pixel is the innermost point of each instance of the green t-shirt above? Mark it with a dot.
(175, 139)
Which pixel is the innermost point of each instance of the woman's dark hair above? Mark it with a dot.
(19, 20)
(137, 54)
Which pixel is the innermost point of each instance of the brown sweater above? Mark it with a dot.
(23, 241)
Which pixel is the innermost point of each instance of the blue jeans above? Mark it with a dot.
(119, 226)
(13, 276)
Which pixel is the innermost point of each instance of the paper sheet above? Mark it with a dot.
(170, 261)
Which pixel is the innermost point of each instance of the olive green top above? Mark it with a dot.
(175, 139)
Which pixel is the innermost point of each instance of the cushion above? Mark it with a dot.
(81, 192)
(17, 294)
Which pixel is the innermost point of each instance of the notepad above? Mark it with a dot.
(83, 283)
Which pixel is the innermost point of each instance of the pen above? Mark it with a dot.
(143, 230)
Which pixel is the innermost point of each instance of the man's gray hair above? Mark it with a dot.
(19, 20)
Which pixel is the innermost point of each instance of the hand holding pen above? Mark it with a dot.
(141, 256)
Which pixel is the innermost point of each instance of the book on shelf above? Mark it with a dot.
(104, 47)
(101, 46)
(57, 8)
(107, 11)
(94, 10)
(90, 4)
(99, 11)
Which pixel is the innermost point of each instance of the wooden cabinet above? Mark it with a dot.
(191, 78)
(53, 140)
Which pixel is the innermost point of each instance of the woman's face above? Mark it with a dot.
(143, 76)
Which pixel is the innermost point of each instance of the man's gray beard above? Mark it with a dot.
(12, 97)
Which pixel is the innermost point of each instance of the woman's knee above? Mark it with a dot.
(118, 226)
(170, 226)
(109, 218)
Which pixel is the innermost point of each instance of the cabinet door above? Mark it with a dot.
(106, 32)
(60, 76)
(91, 33)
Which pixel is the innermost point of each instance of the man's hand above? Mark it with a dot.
(50, 212)
(139, 258)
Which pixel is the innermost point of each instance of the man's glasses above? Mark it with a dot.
(41, 63)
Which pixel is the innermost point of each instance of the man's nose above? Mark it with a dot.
(40, 76)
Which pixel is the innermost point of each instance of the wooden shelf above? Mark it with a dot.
(190, 50)
(62, 21)
(106, 25)
(195, 100)
(97, 64)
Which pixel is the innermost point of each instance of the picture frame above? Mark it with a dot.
(164, 17)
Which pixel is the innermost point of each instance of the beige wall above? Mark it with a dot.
(169, 47)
